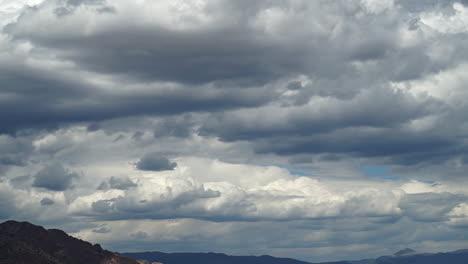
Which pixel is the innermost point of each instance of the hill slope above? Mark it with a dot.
(25, 243)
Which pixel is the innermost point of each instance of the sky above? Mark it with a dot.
(314, 129)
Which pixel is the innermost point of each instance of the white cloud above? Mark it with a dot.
(377, 6)
(459, 215)
(448, 23)
(11, 9)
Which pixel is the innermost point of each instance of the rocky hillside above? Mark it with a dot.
(25, 243)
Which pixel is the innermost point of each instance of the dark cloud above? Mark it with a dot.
(405, 148)
(228, 56)
(378, 108)
(47, 202)
(54, 177)
(11, 160)
(46, 103)
(239, 53)
(15, 151)
(120, 183)
(181, 127)
(102, 206)
(106, 9)
(230, 52)
(93, 127)
(170, 205)
(155, 162)
(372, 124)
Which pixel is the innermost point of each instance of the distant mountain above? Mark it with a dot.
(25, 243)
(405, 256)
(214, 258)
(413, 257)
(405, 252)
(409, 256)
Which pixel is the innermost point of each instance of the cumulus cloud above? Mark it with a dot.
(298, 198)
(47, 202)
(121, 183)
(54, 177)
(155, 162)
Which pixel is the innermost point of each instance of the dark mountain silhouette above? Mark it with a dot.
(214, 258)
(25, 243)
(405, 256)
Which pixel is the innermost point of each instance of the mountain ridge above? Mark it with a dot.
(211, 257)
(405, 252)
(409, 256)
(404, 256)
(25, 243)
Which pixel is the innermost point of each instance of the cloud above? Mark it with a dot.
(230, 201)
(7, 202)
(22, 182)
(145, 52)
(155, 162)
(434, 208)
(47, 202)
(139, 235)
(102, 230)
(377, 7)
(54, 177)
(450, 23)
(459, 215)
(175, 196)
(327, 125)
(120, 183)
(14, 151)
